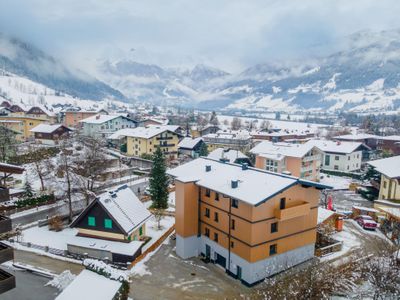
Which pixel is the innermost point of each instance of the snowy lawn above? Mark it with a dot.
(336, 182)
(152, 229)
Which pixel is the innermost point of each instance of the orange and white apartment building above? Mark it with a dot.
(251, 222)
(300, 160)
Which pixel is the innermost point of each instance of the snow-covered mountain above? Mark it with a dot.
(25, 60)
(364, 76)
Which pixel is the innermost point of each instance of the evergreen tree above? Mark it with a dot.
(28, 191)
(203, 151)
(159, 181)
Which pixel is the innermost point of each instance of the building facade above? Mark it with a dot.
(300, 160)
(102, 126)
(389, 168)
(237, 140)
(252, 223)
(50, 134)
(23, 124)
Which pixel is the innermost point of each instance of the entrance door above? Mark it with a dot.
(208, 252)
(221, 261)
(239, 272)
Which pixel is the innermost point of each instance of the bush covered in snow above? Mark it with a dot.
(102, 268)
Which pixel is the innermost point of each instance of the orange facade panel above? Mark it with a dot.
(293, 212)
(186, 213)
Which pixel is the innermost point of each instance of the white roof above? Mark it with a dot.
(229, 154)
(123, 205)
(143, 132)
(254, 187)
(389, 167)
(336, 147)
(269, 149)
(189, 143)
(390, 138)
(394, 211)
(238, 135)
(99, 119)
(91, 286)
(370, 209)
(46, 128)
(358, 136)
(324, 214)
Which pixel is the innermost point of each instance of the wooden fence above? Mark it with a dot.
(152, 247)
(329, 249)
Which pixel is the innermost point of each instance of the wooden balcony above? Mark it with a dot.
(293, 211)
(7, 281)
(6, 253)
(5, 224)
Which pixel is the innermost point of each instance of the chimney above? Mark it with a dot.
(234, 184)
(208, 168)
(245, 166)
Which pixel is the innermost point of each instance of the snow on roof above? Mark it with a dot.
(337, 147)
(143, 132)
(44, 109)
(128, 249)
(390, 138)
(189, 143)
(363, 208)
(269, 149)
(355, 137)
(90, 285)
(123, 205)
(394, 211)
(99, 119)
(238, 135)
(324, 214)
(229, 154)
(46, 128)
(389, 167)
(254, 185)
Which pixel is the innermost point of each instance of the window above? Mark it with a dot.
(215, 237)
(208, 192)
(336, 167)
(216, 196)
(91, 221)
(348, 157)
(271, 165)
(336, 157)
(235, 203)
(274, 227)
(207, 232)
(273, 249)
(358, 155)
(216, 217)
(232, 244)
(327, 159)
(282, 203)
(384, 184)
(108, 223)
(233, 224)
(207, 214)
(141, 231)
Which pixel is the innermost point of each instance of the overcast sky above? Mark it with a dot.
(225, 33)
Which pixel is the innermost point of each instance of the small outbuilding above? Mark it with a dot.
(50, 134)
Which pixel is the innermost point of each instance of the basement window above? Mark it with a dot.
(273, 249)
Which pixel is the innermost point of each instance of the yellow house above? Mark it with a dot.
(14, 126)
(23, 124)
(390, 177)
(145, 140)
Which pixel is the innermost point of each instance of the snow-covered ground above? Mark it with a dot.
(336, 182)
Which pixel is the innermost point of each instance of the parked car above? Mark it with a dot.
(366, 222)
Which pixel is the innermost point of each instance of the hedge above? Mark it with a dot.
(34, 201)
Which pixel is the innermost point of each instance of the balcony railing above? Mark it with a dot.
(6, 253)
(164, 138)
(311, 157)
(167, 145)
(293, 211)
(5, 224)
(7, 281)
(306, 168)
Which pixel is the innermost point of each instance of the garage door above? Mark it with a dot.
(221, 261)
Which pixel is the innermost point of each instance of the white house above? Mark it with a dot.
(341, 156)
(101, 126)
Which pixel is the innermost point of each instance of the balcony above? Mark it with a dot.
(167, 145)
(311, 157)
(6, 253)
(5, 224)
(7, 281)
(164, 138)
(293, 211)
(305, 169)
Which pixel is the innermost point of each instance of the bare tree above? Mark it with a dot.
(158, 215)
(236, 123)
(41, 163)
(265, 125)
